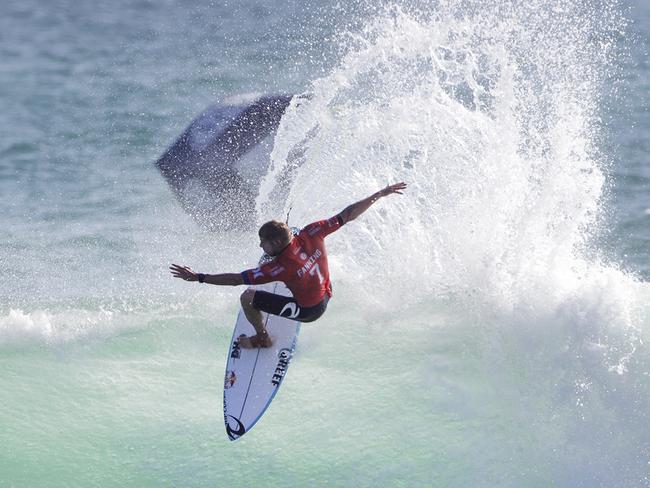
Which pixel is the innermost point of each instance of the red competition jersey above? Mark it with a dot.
(302, 265)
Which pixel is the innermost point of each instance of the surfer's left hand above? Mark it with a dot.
(390, 189)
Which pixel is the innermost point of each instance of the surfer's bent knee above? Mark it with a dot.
(246, 298)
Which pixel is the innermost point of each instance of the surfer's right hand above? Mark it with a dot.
(183, 272)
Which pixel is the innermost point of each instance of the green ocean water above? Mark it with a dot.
(488, 328)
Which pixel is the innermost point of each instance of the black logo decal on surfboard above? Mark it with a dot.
(236, 350)
(284, 356)
(234, 434)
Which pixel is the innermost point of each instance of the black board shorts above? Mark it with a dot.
(287, 306)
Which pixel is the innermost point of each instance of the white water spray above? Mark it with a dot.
(492, 117)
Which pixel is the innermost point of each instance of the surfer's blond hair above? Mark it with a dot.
(275, 230)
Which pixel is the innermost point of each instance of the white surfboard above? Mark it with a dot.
(253, 376)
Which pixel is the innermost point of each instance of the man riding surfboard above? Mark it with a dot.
(299, 261)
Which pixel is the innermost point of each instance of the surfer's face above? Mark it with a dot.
(269, 246)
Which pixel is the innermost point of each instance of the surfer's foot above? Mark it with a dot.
(254, 342)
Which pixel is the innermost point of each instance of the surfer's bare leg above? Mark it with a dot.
(255, 317)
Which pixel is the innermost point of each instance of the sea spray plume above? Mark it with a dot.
(493, 116)
(467, 107)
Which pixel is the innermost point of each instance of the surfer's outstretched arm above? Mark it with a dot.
(351, 212)
(227, 279)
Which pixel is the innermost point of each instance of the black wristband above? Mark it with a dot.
(201, 277)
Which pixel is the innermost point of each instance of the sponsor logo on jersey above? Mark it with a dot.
(309, 263)
(284, 356)
(257, 273)
(276, 271)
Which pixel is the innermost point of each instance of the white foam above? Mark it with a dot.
(46, 327)
(497, 141)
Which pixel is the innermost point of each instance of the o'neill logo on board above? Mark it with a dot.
(284, 356)
(237, 431)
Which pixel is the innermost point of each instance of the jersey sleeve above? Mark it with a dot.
(322, 228)
(264, 274)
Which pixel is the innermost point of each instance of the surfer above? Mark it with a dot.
(299, 261)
